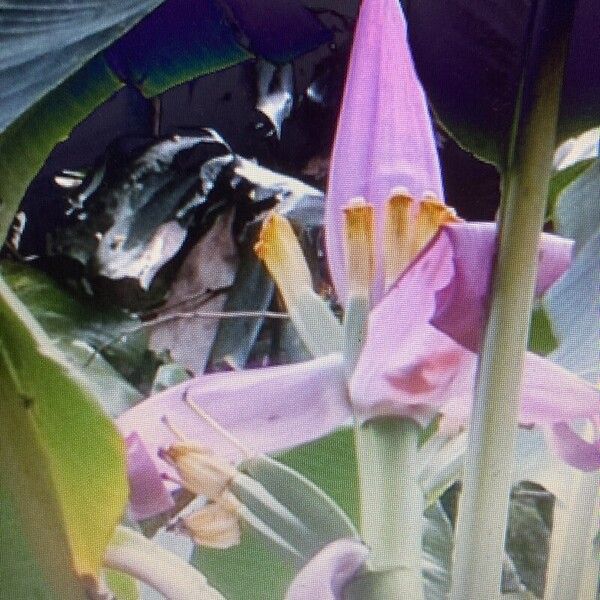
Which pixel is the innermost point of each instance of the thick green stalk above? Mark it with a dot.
(490, 454)
(391, 507)
(391, 500)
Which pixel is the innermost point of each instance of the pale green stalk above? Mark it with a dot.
(132, 553)
(490, 454)
(391, 507)
(574, 563)
(391, 500)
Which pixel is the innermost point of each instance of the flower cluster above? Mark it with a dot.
(422, 272)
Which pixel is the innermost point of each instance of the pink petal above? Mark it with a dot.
(328, 572)
(148, 496)
(410, 368)
(573, 449)
(384, 137)
(267, 409)
(456, 268)
(553, 395)
(417, 376)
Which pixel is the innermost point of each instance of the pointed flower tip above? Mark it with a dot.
(384, 139)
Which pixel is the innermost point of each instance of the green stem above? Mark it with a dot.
(573, 565)
(489, 458)
(391, 499)
(130, 552)
(391, 508)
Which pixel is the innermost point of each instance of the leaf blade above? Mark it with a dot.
(70, 493)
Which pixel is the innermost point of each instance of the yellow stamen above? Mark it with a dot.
(201, 472)
(360, 247)
(280, 250)
(213, 526)
(397, 235)
(432, 214)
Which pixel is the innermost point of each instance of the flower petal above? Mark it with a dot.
(269, 409)
(384, 137)
(552, 394)
(573, 449)
(461, 304)
(328, 572)
(411, 368)
(417, 376)
(149, 496)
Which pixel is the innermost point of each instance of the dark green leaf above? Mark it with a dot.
(26, 143)
(191, 38)
(88, 335)
(528, 537)
(541, 336)
(252, 290)
(470, 55)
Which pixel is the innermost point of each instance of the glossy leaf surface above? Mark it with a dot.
(469, 56)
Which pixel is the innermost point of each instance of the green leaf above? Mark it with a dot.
(528, 538)
(252, 290)
(562, 179)
(61, 459)
(250, 572)
(469, 57)
(541, 337)
(26, 143)
(124, 587)
(88, 335)
(20, 575)
(317, 520)
(189, 39)
(573, 306)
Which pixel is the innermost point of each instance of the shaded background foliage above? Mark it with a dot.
(226, 101)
